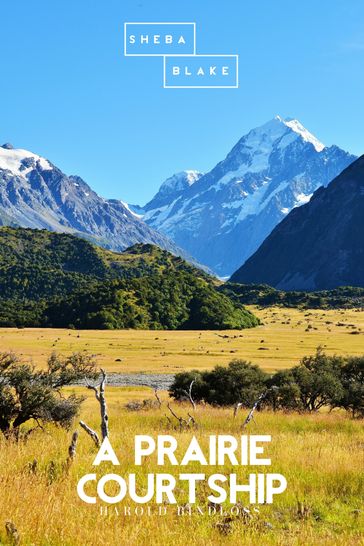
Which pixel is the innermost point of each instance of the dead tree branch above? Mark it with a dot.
(91, 433)
(236, 408)
(257, 403)
(72, 447)
(182, 422)
(169, 420)
(100, 397)
(157, 397)
(189, 394)
(104, 415)
(191, 420)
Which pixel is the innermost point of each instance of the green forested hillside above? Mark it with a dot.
(58, 280)
(266, 296)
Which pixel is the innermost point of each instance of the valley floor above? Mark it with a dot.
(285, 336)
(321, 455)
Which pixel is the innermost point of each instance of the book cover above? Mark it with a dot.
(181, 273)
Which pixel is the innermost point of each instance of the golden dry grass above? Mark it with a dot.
(285, 337)
(320, 455)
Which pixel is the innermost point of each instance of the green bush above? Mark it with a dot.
(223, 386)
(286, 394)
(318, 381)
(313, 384)
(352, 377)
(28, 394)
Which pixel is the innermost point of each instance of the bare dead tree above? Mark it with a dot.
(189, 394)
(100, 397)
(250, 415)
(236, 408)
(157, 397)
(182, 422)
(71, 451)
(73, 445)
(257, 403)
(91, 432)
(191, 420)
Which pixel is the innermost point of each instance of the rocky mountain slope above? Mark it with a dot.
(171, 188)
(318, 246)
(223, 216)
(34, 193)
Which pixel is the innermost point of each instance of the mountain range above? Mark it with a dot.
(319, 245)
(223, 216)
(218, 219)
(35, 193)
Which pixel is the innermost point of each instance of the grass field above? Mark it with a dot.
(321, 457)
(285, 336)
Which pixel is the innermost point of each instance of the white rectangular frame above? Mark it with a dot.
(236, 86)
(160, 54)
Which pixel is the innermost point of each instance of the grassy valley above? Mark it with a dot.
(145, 311)
(282, 339)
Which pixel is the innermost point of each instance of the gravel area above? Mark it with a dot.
(161, 381)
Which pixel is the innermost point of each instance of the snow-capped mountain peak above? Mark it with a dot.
(279, 132)
(129, 208)
(252, 154)
(20, 162)
(180, 181)
(298, 128)
(35, 193)
(172, 188)
(224, 216)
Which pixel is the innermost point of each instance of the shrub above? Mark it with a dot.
(318, 381)
(223, 386)
(136, 405)
(318, 378)
(314, 383)
(182, 382)
(28, 394)
(287, 394)
(352, 377)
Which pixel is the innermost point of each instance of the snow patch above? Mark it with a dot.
(178, 181)
(11, 160)
(298, 128)
(130, 210)
(258, 145)
(193, 176)
(302, 199)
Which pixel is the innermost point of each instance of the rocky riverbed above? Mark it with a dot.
(153, 380)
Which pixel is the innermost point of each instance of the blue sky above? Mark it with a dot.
(68, 93)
